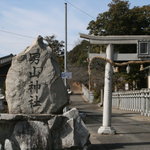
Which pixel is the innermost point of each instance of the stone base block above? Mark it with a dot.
(106, 130)
(43, 131)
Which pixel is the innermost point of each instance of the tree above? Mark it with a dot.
(57, 48)
(77, 62)
(121, 20)
(78, 65)
(78, 55)
(139, 18)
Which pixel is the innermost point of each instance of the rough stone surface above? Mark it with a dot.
(33, 83)
(79, 131)
(32, 135)
(68, 130)
(73, 113)
(55, 126)
(9, 145)
(0, 146)
(1, 101)
(53, 132)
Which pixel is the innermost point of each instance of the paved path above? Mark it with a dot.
(133, 130)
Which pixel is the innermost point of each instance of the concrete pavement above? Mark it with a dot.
(133, 130)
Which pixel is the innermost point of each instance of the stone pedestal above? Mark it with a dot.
(43, 131)
(106, 130)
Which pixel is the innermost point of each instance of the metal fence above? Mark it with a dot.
(138, 101)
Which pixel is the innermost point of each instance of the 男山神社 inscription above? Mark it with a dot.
(34, 85)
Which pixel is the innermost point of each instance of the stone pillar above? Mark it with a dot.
(107, 107)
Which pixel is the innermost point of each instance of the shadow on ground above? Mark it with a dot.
(115, 146)
(90, 117)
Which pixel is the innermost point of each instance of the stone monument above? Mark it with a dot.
(33, 83)
(36, 96)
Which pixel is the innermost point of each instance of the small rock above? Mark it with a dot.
(69, 131)
(8, 145)
(0, 146)
(73, 113)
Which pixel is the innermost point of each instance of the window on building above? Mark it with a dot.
(143, 48)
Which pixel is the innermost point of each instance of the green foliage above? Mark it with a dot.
(97, 48)
(97, 65)
(78, 62)
(139, 20)
(118, 20)
(57, 48)
(121, 20)
(78, 59)
(79, 54)
(135, 75)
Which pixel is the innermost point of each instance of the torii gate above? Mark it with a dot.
(143, 53)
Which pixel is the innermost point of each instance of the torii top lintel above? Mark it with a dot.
(115, 39)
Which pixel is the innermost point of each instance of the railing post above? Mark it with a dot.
(138, 101)
(129, 102)
(134, 101)
(142, 103)
(146, 103)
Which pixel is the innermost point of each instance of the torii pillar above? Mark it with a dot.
(141, 54)
(107, 105)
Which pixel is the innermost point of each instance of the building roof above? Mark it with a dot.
(6, 59)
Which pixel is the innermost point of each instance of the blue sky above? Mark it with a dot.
(46, 17)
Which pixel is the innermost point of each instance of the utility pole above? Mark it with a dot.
(65, 52)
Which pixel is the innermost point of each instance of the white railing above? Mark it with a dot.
(88, 95)
(138, 101)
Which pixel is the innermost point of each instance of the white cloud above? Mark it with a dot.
(31, 20)
(35, 22)
(30, 23)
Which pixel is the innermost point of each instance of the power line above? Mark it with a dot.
(80, 9)
(22, 35)
(13, 33)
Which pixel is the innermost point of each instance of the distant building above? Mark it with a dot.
(5, 63)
